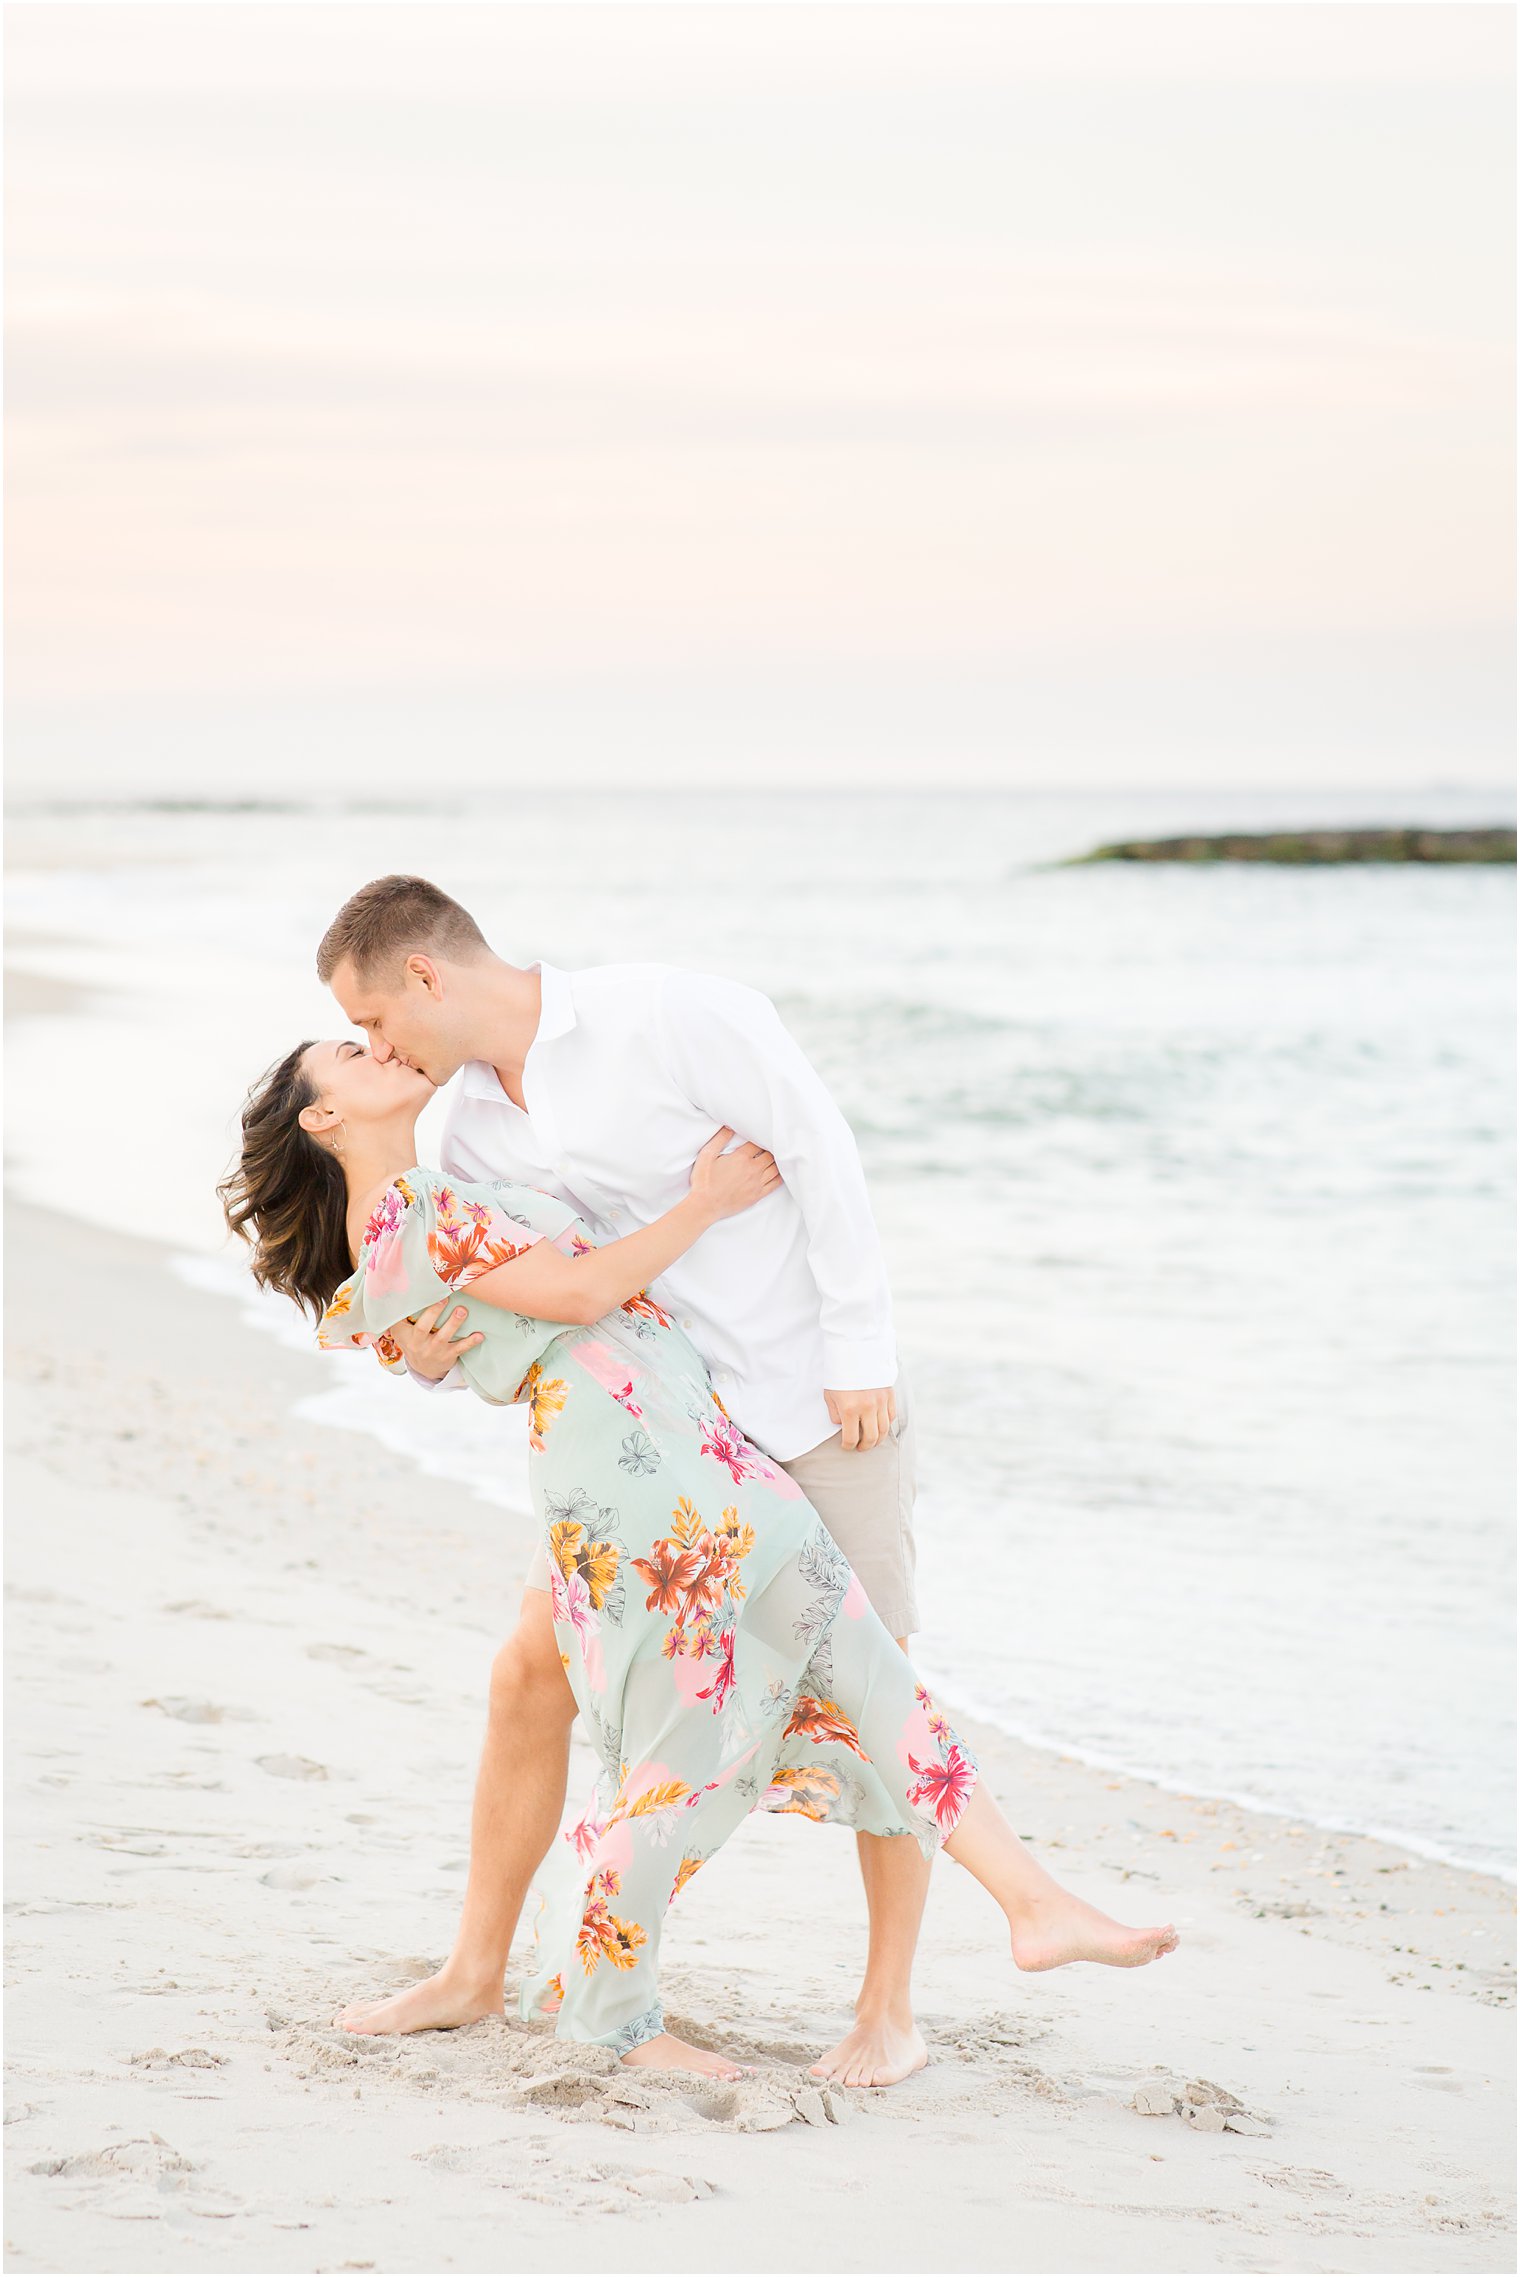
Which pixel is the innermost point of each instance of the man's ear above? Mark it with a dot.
(424, 974)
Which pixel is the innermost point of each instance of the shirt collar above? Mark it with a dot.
(556, 1017)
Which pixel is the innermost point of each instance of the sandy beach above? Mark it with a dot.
(247, 1664)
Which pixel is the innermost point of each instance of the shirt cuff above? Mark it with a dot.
(453, 1381)
(859, 1363)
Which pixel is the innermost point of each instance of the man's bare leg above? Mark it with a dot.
(519, 1801)
(885, 2045)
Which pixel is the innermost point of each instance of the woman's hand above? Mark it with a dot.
(725, 1184)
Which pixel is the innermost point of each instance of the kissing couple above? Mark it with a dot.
(650, 1227)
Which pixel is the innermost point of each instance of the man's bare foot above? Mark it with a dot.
(666, 2053)
(439, 2004)
(877, 2053)
(1060, 1927)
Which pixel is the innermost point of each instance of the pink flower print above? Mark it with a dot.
(945, 1787)
(687, 1675)
(727, 1445)
(610, 1370)
(570, 1604)
(587, 1832)
(723, 1683)
(385, 1271)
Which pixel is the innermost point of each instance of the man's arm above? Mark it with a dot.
(725, 1047)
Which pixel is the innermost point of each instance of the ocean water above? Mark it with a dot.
(1195, 1185)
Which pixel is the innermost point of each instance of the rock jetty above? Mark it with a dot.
(1497, 845)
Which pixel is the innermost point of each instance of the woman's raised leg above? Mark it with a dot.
(915, 1753)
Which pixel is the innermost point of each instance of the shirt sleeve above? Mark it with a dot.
(725, 1047)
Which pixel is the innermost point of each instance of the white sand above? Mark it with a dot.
(247, 1668)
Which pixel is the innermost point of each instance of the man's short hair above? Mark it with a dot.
(388, 920)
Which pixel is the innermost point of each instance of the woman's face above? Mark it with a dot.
(358, 1089)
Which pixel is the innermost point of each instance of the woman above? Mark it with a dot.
(722, 1655)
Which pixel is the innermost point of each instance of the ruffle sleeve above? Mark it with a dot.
(427, 1239)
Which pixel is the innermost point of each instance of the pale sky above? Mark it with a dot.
(838, 393)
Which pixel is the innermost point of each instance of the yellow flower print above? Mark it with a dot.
(545, 1400)
(684, 1872)
(595, 1562)
(566, 1541)
(812, 1788)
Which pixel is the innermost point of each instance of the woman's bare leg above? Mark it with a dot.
(1049, 1925)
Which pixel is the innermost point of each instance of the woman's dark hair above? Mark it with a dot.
(290, 1191)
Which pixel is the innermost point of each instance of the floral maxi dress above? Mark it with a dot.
(722, 1654)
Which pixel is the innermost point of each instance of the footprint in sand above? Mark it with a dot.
(1208, 2108)
(597, 2186)
(201, 1711)
(138, 2180)
(295, 1878)
(291, 1767)
(187, 2059)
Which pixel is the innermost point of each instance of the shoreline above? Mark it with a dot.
(248, 1667)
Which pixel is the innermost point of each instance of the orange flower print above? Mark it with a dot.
(822, 1720)
(469, 1239)
(693, 1572)
(644, 1305)
(669, 1572)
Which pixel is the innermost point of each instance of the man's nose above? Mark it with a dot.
(379, 1049)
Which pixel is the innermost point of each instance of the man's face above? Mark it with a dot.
(404, 1017)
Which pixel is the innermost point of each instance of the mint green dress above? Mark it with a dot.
(722, 1654)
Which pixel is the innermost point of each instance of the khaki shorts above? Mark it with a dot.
(864, 1495)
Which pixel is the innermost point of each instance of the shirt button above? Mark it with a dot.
(685, 1320)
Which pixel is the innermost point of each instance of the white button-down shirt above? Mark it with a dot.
(631, 1070)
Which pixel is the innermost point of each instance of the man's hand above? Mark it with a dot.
(430, 1346)
(863, 1417)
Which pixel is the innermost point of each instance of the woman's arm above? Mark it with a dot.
(544, 1284)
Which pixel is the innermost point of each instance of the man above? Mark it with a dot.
(600, 1087)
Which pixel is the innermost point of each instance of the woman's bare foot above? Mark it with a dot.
(667, 2053)
(878, 2053)
(439, 2004)
(1058, 1927)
